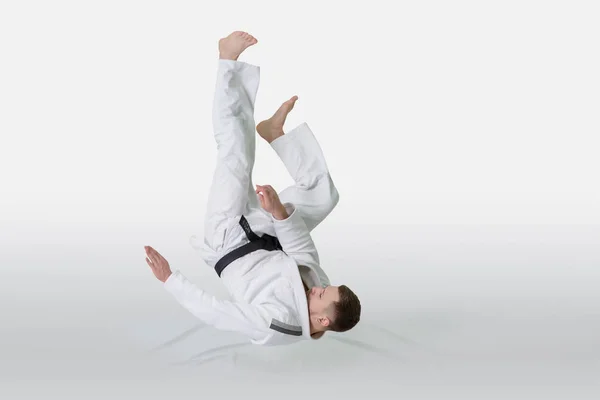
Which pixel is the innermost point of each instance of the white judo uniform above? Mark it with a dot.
(269, 301)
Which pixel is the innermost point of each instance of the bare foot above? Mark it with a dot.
(232, 46)
(270, 129)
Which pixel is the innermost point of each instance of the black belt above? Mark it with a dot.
(265, 242)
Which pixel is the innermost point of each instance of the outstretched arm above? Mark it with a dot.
(252, 321)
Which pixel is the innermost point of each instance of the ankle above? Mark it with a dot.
(275, 136)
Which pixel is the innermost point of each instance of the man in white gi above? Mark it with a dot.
(263, 252)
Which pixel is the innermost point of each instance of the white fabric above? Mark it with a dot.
(265, 286)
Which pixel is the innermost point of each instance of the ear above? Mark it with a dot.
(324, 321)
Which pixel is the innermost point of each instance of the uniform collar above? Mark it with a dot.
(301, 302)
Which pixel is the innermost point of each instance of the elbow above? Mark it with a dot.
(335, 197)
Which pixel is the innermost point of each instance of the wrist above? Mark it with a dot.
(280, 213)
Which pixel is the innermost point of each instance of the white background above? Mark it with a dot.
(462, 137)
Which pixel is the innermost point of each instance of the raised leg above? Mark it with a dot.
(313, 193)
(233, 124)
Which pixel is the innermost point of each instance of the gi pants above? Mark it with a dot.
(232, 193)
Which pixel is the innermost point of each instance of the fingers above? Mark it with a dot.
(261, 191)
(160, 267)
(269, 193)
(151, 251)
(265, 188)
(152, 255)
(268, 196)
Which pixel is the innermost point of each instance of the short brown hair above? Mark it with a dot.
(346, 312)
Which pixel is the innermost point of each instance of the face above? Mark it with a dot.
(320, 303)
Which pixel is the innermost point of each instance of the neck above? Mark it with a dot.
(313, 328)
(316, 330)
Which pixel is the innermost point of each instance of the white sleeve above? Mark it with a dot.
(252, 321)
(296, 241)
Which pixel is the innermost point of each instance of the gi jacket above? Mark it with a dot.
(269, 302)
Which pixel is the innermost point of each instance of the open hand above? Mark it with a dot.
(159, 265)
(269, 200)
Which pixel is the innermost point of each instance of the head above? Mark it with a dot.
(333, 308)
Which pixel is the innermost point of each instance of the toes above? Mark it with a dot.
(245, 36)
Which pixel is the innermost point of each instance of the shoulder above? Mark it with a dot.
(282, 328)
(286, 326)
(282, 320)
